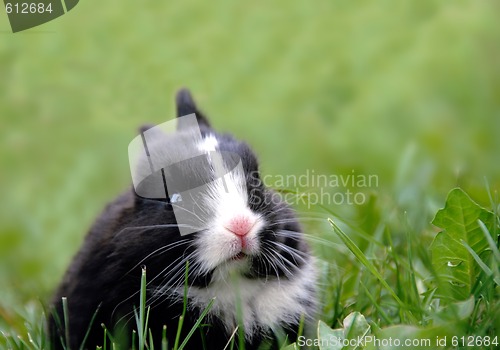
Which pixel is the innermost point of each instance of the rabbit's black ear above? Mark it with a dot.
(145, 127)
(186, 105)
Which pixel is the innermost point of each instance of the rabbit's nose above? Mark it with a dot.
(240, 225)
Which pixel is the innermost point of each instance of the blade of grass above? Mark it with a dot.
(376, 305)
(151, 343)
(494, 203)
(202, 336)
(231, 339)
(178, 335)
(11, 342)
(490, 240)
(66, 320)
(184, 308)
(364, 260)
(45, 340)
(35, 332)
(82, 346)
(301, 325)
(105, 341)
(164, 342)
(413, 279)
(107, 335)
(146, 323)
(198, 321)
(141, 325)
(24, 344)
(239, 312)
(480, 262)
(57, 320)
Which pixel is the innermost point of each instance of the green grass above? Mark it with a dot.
(408, 91)
(448, 293)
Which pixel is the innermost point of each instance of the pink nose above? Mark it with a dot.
(240, 225)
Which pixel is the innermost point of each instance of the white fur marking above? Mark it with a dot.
(208, 144)
(264, 303)
(217, 244)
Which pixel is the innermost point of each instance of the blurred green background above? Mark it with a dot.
(406, 90)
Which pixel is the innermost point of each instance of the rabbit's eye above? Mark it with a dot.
(176, 197)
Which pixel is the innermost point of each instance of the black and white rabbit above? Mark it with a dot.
(250, 257)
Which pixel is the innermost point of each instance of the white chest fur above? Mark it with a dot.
(259, 304)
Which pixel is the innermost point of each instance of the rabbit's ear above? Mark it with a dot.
(145, 127)
(186, 105)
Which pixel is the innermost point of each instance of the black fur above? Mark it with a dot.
(105, 274)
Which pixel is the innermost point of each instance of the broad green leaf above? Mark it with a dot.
(406, 337)
(327, 337)
(454, 313)
(455, 266)
(431, 337)
(355, 327)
